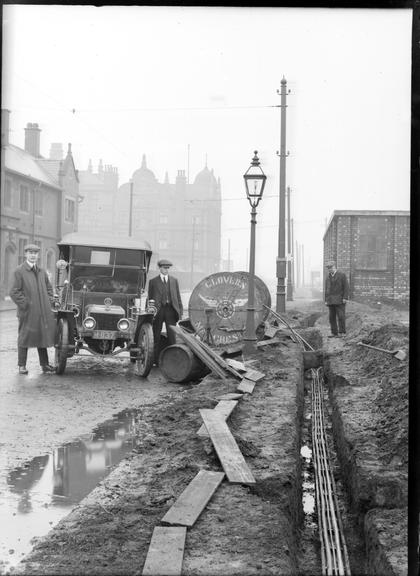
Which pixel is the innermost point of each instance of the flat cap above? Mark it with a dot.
(32, 247)
(330, 263)
(164, 262)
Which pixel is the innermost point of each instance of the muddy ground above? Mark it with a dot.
(261, 528)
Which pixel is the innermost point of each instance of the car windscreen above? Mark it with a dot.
(111, 279)
(111, 270)
(98, 256)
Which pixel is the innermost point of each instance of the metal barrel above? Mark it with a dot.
(179, 364)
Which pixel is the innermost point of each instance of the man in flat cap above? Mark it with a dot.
(336, 296)
(164, 290)
(33, 294)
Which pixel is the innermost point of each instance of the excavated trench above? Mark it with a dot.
(267, 528)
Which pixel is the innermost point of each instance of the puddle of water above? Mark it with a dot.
(37, 495)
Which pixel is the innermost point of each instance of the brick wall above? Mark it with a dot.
(341, 243)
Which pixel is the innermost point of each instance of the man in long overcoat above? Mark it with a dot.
(336, 296)
(33, 294)
(164, 290)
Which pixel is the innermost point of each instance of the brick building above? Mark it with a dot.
(181, 220)
(38, 200)
(373, 248)
(98, 193)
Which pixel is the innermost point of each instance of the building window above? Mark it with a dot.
(69, 210)
(163, 219)
(163, 244)
(22, 244)
(24, 198)
(39, 202)
(8, 194)
(372, 252)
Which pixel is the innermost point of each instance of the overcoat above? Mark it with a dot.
(156, 290)
(336, 288)
(33, 294)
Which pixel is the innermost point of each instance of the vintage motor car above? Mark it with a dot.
(103, 306)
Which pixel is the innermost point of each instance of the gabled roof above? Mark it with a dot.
(50, 166)
(24, 163)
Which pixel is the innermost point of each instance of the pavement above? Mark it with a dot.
(7, 305)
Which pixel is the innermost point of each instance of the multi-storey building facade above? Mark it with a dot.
(98, 192)
(373, 248)
(39, 200)
(181, 220)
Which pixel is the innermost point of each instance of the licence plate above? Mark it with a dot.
(105, 334)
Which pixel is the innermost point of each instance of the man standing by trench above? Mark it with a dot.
(33, 294)
(164, 290)
(336, 296)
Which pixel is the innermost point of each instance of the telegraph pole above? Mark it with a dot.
(130, 216)
(281, 255)
(289, 293)
(192, 253)
(293, 255)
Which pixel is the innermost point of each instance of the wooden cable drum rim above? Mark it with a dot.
(217, 307)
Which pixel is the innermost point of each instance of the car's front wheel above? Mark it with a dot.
(146, 350)
(61, 346)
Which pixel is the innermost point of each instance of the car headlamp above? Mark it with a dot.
(123, 325)
(89, 323)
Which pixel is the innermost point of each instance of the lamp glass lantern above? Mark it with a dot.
(254, 181)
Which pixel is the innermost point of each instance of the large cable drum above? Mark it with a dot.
(218, 306)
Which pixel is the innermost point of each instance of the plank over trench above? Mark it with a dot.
(194, 498)
(225, 408)
(166, 551)
(227, 450)
(246, 386)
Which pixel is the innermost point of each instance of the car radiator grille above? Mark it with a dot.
(106, 321)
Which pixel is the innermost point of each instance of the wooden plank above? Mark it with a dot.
(253, 375)
(225, 408)
(217, 358)
(230, 396)
(227, 450)
(268, 342)
(191, 341)
(246, 386)
(239, 366)
(189, 505)
(166, 551)
(271, 331)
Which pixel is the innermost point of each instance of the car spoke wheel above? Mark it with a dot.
(146, 350)
(61, 347)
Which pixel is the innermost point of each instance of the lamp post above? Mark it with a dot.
(254, 184)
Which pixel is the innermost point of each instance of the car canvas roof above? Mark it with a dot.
(75, 239)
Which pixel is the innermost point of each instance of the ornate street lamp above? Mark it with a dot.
(254, 183)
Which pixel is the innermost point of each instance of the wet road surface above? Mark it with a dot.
(59, 435)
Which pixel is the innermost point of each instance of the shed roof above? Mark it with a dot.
(338, 213)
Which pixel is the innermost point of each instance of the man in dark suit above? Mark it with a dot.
(34, 297)
(164, 290)
(336, 296)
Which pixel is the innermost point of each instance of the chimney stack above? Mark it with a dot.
(56, 151)
(32, 139)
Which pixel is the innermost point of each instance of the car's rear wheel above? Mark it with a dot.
(61, 347)
(146, 350)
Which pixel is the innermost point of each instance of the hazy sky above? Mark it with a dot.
(122, 81)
